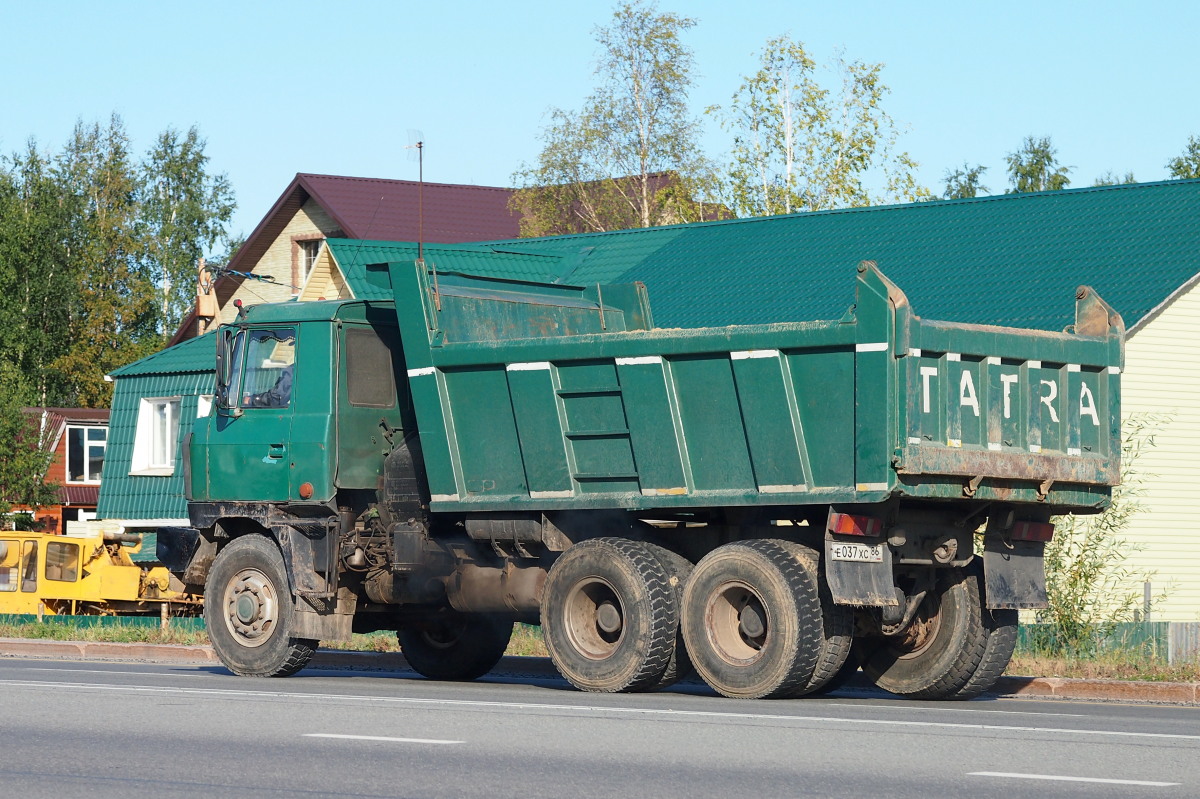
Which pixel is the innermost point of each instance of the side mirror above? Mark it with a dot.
(225, 345)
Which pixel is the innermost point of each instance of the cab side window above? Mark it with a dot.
(29, 566)
(370, 382)
(9, 572)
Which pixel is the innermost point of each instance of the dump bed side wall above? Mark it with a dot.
(788, 414)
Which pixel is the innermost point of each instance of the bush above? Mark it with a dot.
(1090, 584)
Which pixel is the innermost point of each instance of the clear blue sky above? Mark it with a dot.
(279, 88)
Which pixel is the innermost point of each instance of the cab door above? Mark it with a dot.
(250, 456)
(370, 402)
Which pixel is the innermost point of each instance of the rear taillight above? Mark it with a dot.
(849, 524)
(1032, 531)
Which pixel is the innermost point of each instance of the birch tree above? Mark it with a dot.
(629, 157)
(799, 145)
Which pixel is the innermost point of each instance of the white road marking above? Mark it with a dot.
(894, 706)
(1059, 778)
(594, 709)
(379, 738)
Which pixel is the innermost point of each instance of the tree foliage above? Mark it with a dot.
(1035, 167)
(25, 452)
(629, 157)
(965, 182)
(801, 146)
(1186, 165)
(91, 240)
(1111, 178)
(1090, 584)
(184, 211)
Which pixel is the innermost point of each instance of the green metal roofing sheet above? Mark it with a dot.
(353, 255)
(194, 355)
(1010, 259)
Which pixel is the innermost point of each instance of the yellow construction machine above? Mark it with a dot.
(85, 571)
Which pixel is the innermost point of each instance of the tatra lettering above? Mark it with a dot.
(927, 373)
(1007, 381)
(1087, 404)
(968, 395)
(966, 392)
(1048, 398)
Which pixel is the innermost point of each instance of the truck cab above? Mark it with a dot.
(306, 397)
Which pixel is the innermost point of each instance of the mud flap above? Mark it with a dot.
(1014, 573)
(857, 583)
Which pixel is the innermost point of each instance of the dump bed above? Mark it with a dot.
(532, 396)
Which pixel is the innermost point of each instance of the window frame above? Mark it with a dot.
(146, 441)
(88, 430)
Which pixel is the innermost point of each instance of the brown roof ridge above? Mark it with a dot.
(406, 182)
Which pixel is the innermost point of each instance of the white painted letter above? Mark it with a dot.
(966, 392)
(926, 373)
(1007, 381)
(1087, 404)
(1048, 400)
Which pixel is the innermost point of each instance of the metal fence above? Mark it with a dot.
(1162, 641)
(182, 623)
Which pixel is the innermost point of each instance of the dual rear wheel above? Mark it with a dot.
(756, 620)
(620, 615)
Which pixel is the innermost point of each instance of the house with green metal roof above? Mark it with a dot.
(1012, 260)
(155, 403)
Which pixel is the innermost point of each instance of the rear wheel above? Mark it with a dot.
(752, 619)
(248, 611)
(940, 654)
(455, 646)
(837, 623)
(610, 616)
(678, 569)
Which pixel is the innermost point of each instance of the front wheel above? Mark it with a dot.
(248, 611)
(453, 646)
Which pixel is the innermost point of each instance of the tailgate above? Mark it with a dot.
(1006, 405)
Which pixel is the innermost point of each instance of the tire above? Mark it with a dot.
(678, 569)
(837, 622)
(752, 619)
(456, 647)
(944, 648)
(248, 611)
(1001, 628)
(610, 616)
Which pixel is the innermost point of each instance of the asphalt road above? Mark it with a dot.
(105, 729)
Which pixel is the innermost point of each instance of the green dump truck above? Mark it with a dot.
(771, 505)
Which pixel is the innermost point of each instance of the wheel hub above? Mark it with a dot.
(737, 623)
(751, 622)
(594, 619)
(252, 607)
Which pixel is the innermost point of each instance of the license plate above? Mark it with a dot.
(860, 553)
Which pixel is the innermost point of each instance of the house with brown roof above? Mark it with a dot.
(78, 438)
(279, 256)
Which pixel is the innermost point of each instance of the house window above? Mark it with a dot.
(308, 256)
(156, 436)
(85, 453)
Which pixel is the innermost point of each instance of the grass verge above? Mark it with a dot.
(526, 638)
(1106, 666)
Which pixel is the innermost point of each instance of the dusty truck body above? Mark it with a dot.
(773, 505)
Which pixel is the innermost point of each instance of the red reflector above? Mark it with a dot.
(1032, 531)
(847, 524)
